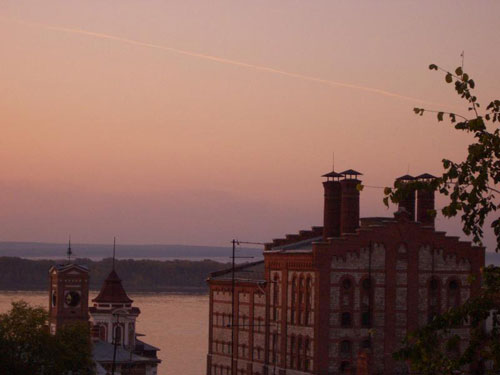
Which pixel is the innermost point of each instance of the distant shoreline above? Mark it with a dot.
(180, 291)
(138, 276)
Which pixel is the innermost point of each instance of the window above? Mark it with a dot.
(453, 294)
(308, 297)
(346, 284)
(300, 362)
(345, 320)
(345, 367)
(293, 300)
(366, 344)
(300, 300)
(345, 349)
(118, 335)
(274, 348)
(365, 302)
(292, 352)
(433, 296)
(102, 332)
(306, 355)
(276, 291)
(366, 319)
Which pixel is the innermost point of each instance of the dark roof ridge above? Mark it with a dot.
(290, 239)
(238, 267)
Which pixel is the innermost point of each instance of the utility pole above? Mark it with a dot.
(232, 305)
(115, 343)
(235, 242)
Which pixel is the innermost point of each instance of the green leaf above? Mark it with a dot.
(459, 71)
(465, 77)
(440, 116)
(433, 67)
(449, 78)
(416, 110)
(471, 83)
(387, 190)
(386, 201)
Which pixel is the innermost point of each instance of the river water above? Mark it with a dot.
(177, 324)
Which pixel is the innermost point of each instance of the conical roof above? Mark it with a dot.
(112, 291)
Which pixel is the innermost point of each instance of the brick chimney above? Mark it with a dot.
(331, 212)
(349, 202)
(425, 201)
(408, 202)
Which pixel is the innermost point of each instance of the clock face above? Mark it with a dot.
(72, 298)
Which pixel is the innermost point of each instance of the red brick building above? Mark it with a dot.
(327, 299)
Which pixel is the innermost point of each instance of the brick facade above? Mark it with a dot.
(321, 305)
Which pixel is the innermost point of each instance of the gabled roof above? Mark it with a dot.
(112, 291)
(67, 267)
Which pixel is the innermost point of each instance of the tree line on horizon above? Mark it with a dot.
(18, 274)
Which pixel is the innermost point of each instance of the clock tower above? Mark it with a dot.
(68, 295)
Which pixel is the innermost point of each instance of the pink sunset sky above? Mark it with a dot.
(195, 122)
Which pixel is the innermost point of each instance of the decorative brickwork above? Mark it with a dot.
(341, 303)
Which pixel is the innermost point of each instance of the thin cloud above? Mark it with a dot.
(222, 60)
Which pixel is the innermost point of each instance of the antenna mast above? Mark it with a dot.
(114, 251)
(69, 252)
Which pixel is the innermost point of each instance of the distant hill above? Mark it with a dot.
(181, 276)
(492, 258)
(99, 251)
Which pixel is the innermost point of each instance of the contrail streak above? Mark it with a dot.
(228, 61)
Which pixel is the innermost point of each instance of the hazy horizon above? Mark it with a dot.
(198, 122)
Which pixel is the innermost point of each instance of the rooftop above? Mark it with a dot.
(103, 352)
(112, 291)
(252, 272)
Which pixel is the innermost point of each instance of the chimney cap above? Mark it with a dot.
(425, 176)
(351, 172)
(406, 177)
(333, 174)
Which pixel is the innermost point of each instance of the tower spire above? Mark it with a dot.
(114, 250)
(69, 252)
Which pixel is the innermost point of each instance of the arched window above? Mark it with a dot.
(118, 335)
(346, 293)
(293, 300)
(306, 354)
(274, 347)
(366, 343)
(434, 298)
(345, 320)
(102, 332)
(300, 302)
(292, 352)
(453, 294)
(276, 292)
(308, 297)
(366, 306)
(345, 349)
(300, 358)
(345, 367)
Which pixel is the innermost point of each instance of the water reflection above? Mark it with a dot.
(177, 324)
